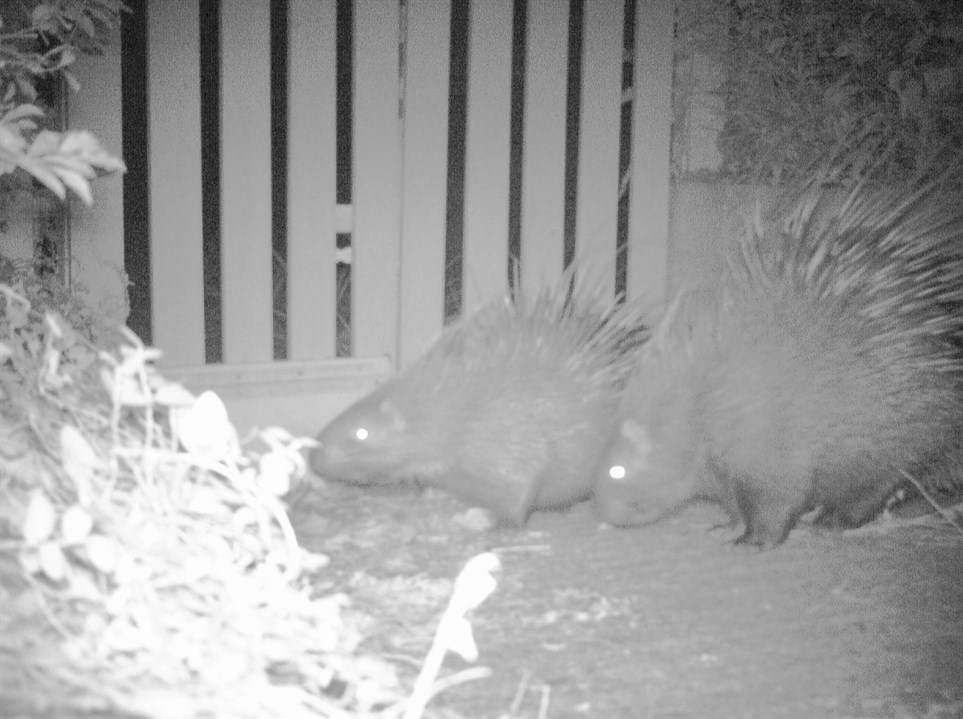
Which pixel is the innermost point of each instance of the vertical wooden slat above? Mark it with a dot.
(651, 123)
(376, 194)
(487, 152)
(311, 179)
(246, 180)
(543, 171)
(96, 233)
(598, 164)
(175, 180)
(425, 175)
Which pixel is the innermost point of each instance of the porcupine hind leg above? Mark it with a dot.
(860, 504)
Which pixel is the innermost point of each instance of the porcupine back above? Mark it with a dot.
(825, 369)
(508, 410)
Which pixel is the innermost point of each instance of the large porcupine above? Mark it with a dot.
(508, 410)
(824, 370)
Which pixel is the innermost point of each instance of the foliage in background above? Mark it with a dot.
(39, 41)
(803, 76)
(46, 293)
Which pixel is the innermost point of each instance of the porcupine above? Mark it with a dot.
(824, 370)
(508, 409)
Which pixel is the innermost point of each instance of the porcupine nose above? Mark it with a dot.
(614, 506)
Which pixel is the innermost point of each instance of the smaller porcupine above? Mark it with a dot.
(824, 370)
(508, 410)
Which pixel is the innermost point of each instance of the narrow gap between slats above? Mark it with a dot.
(279, 175)
(573, 106)
(625, 150)
(210, 53)
(457, 126)
(517, 130)
(137, 245)
(343, 133)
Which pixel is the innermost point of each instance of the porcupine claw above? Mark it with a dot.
(620, 513)
(768, 514)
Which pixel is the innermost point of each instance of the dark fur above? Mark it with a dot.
(508, 410)
(824, 370)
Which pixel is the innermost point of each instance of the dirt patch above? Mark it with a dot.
(667, 621)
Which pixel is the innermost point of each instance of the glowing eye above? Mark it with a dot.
(361, 433)
(617, 471)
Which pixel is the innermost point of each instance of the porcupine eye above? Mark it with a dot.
(376, 427)
(366, 433)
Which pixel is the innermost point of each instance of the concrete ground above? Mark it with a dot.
(666, 621)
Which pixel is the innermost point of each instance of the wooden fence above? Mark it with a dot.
(233, 128)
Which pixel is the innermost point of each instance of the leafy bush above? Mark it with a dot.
(804, 76)
(40, 41)
(147, 564)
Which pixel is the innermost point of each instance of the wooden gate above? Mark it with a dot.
(412, 142)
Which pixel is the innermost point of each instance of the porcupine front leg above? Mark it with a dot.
(723, 492)
(769, 510)
(507, 494)
(767, 524)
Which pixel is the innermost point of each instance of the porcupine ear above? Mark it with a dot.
(635, 433)
(396, 420)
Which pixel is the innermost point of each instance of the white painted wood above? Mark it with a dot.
(311, 309)
(246, 181)
(174, 117)
(302, 394)
(425, 175)
(596, 204)
(97, 233)
(487, 152)
(376, 194)
(543, 172)
(651, 125)
(343, 218)
(299, 396)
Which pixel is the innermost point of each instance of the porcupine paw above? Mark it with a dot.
(726, 530)
(763, 537)
(767, 525)
(854, 510)
(731, 523)
(768, 516)
(512, 509)
(832, 519)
